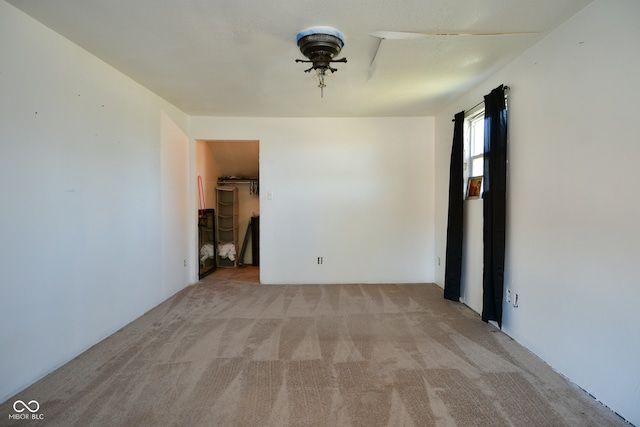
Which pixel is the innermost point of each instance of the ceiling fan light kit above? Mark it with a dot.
(320, 44)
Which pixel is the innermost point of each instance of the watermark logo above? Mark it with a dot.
(26, 411)
(20, 406)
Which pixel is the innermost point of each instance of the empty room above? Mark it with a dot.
(319, 214)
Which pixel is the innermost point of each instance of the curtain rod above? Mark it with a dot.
(506, 92)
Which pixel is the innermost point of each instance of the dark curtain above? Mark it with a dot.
(494, 199)
(453, 268)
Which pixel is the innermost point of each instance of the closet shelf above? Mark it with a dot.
(223, 181)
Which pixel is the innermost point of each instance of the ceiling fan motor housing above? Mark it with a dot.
(320, 45)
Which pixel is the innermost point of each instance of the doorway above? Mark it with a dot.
(230, 164)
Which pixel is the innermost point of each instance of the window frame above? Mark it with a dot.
(472, 116)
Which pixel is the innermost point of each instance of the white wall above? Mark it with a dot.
(572, 248)
(359, 195)
(175, 215)
(472, 265)
(207, 167)
(92, 174)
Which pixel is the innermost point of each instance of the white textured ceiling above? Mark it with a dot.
(236, 57)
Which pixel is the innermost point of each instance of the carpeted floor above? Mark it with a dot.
(229, 352)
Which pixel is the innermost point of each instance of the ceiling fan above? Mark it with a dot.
(412, 35)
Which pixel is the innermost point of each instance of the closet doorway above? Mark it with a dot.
(228, 190)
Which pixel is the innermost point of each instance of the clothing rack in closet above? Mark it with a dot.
(253, 182)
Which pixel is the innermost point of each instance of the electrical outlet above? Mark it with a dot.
(515, 300)
(185, 262)
(508, 296)
(320, 260)
(438, 260)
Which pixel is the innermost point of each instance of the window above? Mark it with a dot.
(474, 147)
(474, 143)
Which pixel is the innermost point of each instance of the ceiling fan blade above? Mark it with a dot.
(408, 35)
(373, 65)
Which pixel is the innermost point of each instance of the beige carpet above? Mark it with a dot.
(228, 352)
